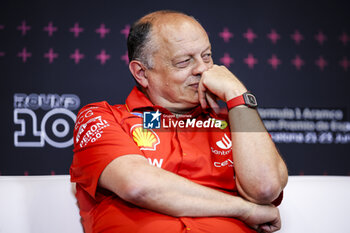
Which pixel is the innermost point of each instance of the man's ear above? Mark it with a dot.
(138, 70)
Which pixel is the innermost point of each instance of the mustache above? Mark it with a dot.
(194, 80)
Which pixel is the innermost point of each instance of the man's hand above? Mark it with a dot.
(260, 171)
(218, 83)
(263, 218)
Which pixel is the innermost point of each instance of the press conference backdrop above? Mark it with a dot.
(57, 56)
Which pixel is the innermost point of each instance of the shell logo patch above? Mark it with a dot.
(146, 139)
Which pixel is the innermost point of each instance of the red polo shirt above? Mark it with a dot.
(202, 155)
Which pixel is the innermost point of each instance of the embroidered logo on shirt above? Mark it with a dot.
(224, 143)
(146, 139)
(91, 131)
(227, 162)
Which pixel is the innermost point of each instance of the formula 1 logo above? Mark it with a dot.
(57, 123)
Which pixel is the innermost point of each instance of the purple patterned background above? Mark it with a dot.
(64, 54)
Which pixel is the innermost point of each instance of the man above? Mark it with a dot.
(131, 179)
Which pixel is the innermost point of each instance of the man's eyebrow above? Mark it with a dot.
(209, 47)
(179, 56)
(186, 54)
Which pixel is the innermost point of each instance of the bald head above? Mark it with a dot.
(144, 36)
(164, 17)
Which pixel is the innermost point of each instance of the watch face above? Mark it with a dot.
(250, 100)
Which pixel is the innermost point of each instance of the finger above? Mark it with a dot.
(270, 227)
(276, 224)
(264, 228)
(211, 99)
(267, 228)
(254, 227)
(201, 95)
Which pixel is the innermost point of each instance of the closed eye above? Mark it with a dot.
(207, 57)
(184, 63)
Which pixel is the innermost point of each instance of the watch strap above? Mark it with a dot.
(247, 99)
(234, 102)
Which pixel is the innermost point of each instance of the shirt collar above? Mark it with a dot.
(137, 101)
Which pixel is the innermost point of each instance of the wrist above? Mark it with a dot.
(247, 99)
(230, 94)
(245, 210)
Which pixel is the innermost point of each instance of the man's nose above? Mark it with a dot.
(200, 67)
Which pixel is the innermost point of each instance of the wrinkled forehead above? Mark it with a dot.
(174, 34)
(174, 25)
(171, 31)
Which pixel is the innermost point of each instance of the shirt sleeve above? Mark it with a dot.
(98, 139)
(278, 200)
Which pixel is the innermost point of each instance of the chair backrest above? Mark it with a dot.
(38, 204)
(316, 204)
(46, 204)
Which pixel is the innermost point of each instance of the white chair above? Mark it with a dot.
(46, 204)
(316, 204)
(38, 204)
